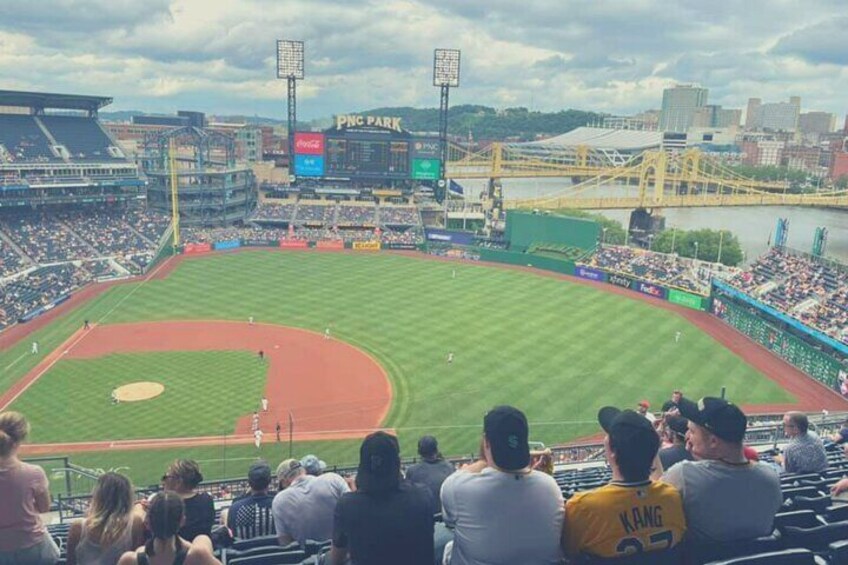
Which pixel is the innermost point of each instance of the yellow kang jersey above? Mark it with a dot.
(622, 518)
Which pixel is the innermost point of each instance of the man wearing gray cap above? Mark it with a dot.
(303, 509)
(725, 496)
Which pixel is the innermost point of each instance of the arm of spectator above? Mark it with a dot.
(225, 518)
(839, 487)
(128, 558)
(283, 536)
(42, 494)
(475, 467)
(137, 530)
(201, 552)
(74, 534)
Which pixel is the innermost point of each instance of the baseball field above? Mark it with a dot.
(556, 348)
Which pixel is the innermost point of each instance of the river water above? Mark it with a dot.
(752, 225)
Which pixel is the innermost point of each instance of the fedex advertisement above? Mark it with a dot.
(309, 144)
(308, 165)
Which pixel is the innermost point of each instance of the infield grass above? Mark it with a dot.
(556, 349)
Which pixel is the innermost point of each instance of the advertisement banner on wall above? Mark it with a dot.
(308, 165)
(294, 243)
(230, 244)
(650, 289)
(330, 244)
(428, 148)
(197, 248)
(260, 243)
(445, 236)
(400, 246)
(685, 299)
(309, 144)
(619, 280)
(366, 245)
(588, 273)
(425, 169)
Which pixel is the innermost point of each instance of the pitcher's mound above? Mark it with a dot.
(134, 392)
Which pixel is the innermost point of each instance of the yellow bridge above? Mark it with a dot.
(652, 179)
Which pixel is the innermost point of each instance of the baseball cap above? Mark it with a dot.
(428, 446)
(313, 465)
(288, 469)
(644, 404)
(259, 475)
(379, 463)
(724, 419)
(629, 430)
(506, 429)
(678, 424)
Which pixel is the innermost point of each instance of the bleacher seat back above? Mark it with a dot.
(797, 518)
(261, 541)
(279, 558)
(836, 513)
(817, 504)
(674, 556)
(815, 539)
(838, 552)
(792, 492)
(737, 548)
(785, 557)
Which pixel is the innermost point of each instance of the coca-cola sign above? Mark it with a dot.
(309, 143)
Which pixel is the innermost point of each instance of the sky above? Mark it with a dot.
(613, 56)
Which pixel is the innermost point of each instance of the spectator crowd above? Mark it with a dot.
(661, 268)
(682, 486)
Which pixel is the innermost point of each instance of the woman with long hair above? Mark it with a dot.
(165, 517)
(182, 477)
(110, 527)
(24, 496)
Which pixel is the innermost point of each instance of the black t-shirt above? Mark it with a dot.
(199, 516)
(674, 454)
(386, 530)
(669, 405)
(430, 474)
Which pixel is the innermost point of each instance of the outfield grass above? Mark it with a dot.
(557, 350)
(205, 392)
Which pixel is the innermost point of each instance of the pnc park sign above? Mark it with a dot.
(343, 122)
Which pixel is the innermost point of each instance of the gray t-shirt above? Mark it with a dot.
(726, 502)
(305, 509)
(805, 454)
(503, 518)
(431, 474)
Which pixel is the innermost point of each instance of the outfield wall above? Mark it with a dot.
(671, 294)
(523, 229)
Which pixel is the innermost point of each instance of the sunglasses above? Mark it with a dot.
(166, 477)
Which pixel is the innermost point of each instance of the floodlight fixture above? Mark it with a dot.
(290, 59)
(446, 67)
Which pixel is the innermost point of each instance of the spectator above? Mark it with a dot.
(25, 495)
(805, 452)
(182, 477)
(110, 527)
(165, 515)
(303, 509)
(387, 520)
(250, 516)
(313, 465)
(672, 405)
(726, 497)
(632, 513)
(432, 471)
(501, 510)
(643, 408)
(842, 435)
(676, 428)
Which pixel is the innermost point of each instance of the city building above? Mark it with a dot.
(839, 166)
(712, 116)
(248, 140)
(773, 116)
(816, 123)
(679, 106)
(752, 114)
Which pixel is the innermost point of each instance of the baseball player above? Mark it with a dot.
(264, 404)
(255, 421)
(450, 357)
(257, 438)
(250, 320)
(34, 349)
(677, 337)
(327, 333)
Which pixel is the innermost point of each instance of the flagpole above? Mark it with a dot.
(291, 434)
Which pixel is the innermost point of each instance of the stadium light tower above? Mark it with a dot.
(290, 67)
(445, 76)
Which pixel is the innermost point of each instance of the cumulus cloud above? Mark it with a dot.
(219, 56)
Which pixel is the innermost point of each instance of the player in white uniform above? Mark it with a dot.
(264, 404)
(257, 438)
(450, 357)
(35, 348)
(677, 337)
(327, 333)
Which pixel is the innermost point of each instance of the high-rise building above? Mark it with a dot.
(752, 113)
(816, 122)
(779, 116)
(712, 116)
(679, 106)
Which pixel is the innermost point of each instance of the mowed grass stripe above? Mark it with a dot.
(556, 349)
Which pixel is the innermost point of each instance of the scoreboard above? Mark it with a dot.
(367, 157)
(366, 148)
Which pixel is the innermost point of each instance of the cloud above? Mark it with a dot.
(219, 56)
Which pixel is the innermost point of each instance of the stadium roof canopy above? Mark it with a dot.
(605, 147)
(602, 138)
(42, 100)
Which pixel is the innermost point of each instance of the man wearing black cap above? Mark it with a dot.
(250, 516)
(387, 520)
(725, 496)
(432, 471)
(632, 514)
(676, 428)
(501, 510)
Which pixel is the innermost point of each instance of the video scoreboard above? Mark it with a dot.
(367, 147)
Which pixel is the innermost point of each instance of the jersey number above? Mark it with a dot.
(658, 541)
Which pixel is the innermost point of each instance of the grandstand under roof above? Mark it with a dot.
(41, 100)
